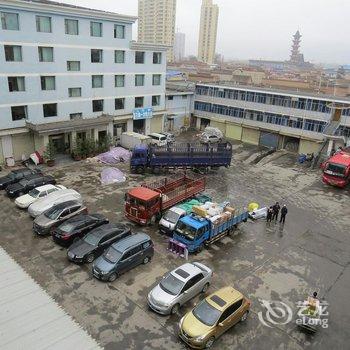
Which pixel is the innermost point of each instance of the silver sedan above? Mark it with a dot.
(179, 286)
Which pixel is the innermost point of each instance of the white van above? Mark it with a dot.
(41, 205)
(158, 139)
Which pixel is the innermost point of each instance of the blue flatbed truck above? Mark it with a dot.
(180, 155)
(194, 232)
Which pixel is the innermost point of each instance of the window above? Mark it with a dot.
(43, 24)
(119, 56)
(45, 54)
(97, 105)
(96, 56)
(119, 103)
(13, 53)
(119, 80)
(47, 83)
(157, 57)
(73, 116)
(16, 84)
(19, 112)
(139, 102)
(119, 31)
(74, 92)
(97, 81)
(71, 26)
(156, 79)
(139, 80)
(9, 21)
(156, 100)
(170, 97)
(95, 29)
(50, 110)
(73, 66)
(139, 57)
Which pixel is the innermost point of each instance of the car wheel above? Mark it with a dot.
(205, 288)
(112, 277)
(146, 260)
(90, 258)
(200, 248)
(244, 317)
(209, 343)
(175, 309)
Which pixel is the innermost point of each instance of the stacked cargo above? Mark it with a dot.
(216, 213)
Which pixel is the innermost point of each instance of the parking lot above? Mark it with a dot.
(264, 261)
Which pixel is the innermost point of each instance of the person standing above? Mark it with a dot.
(284, 212)
(269, 214)
(276, 209)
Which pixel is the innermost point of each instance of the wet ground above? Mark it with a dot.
(264, 261)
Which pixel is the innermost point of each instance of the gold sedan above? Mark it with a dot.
(212, 317)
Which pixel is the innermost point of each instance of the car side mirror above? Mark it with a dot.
(221, 324)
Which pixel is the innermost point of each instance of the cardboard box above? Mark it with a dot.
(199, 211)
(230, 209)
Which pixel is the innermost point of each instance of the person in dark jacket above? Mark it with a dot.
(269, 214)
(284, 212)
(276, 209)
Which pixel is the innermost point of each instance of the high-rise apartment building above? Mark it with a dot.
(208, 31)
(157, 23)
(179, 47)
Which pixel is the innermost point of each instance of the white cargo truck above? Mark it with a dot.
(130, 140)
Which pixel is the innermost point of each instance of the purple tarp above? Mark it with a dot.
(112, 175)
(114, 156)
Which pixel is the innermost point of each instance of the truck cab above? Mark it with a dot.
(336, 170)
(192, 231)
(142, 205)
(169, 220)
(139, 158)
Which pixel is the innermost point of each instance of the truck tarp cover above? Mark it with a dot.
(112, 175)
(114, 156)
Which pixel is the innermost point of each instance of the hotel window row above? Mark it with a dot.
(13, 53)
(271, 118)
(17, 83)
(43, 24)
(50, 109)
(267, 98)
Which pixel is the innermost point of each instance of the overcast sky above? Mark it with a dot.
(261, 28)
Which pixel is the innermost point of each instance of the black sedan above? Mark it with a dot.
(15, 176)
(77, 227)
(96, 242)
(28, 183)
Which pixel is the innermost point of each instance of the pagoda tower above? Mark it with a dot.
(296, 57)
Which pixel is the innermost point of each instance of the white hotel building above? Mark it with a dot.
(68, 72)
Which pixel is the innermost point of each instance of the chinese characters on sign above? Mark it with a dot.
(142, 113)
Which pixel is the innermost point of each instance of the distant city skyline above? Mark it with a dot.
(260, 29)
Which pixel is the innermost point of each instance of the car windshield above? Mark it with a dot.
(186, 231)
(67, 227)
(23, 182)
(112, 255)
(336, 169)
(34, 193)
(171, 285)
(53, 213)
(206, 313)
(91, 239)
(171, 216)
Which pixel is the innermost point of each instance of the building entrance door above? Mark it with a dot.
(139, 126)
(59, 142)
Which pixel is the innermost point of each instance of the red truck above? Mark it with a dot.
(145, 204)
(336, 170)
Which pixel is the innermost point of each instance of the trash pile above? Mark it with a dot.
(216, 213)
(111, 176)
(114, 156)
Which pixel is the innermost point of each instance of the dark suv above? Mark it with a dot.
(15, 176)
(123, 256)
(28, 183)
(96, 242)
(77, 227)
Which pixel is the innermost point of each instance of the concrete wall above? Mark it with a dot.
(157, 124)
(251, 136)
(2, 159)
(306, 146)
(23, 144)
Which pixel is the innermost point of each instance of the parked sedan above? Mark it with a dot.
(179, 286)
(213, 316)
(28, 183)
(39, 192)
(96, 242)
(77, 227)
(15, 176)
(56, 215)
